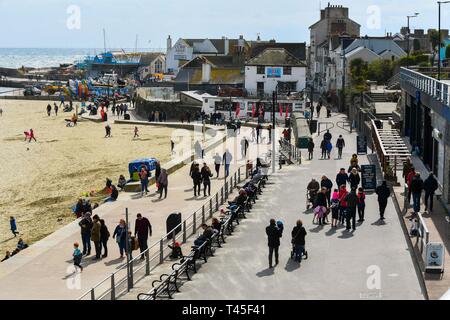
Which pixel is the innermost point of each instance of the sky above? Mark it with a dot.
(79, 23)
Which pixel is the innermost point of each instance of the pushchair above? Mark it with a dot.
(304, 253)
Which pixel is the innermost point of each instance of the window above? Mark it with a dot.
(287, 70)
(260, 70)
(158, 66)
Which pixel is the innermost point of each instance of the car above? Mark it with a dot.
(32, 91)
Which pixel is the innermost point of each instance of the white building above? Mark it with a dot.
(186, 50)
(153, 63)
(274, 67)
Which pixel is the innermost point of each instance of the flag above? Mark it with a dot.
(238, 108)
(280, 106)
(253, 110)
(287, 111)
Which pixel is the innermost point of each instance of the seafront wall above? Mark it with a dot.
(174, 110)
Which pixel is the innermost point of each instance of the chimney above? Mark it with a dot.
(226, 46)
(241, 44)
(206, 72)
(169, 43)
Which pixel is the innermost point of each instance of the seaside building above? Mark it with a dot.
(334, 22)
(151, 63)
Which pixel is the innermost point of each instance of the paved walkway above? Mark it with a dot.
(341, 265)
(437, 285)
(44, 270)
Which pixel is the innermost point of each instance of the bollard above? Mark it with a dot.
(203, 214)
(184, 231)
(210, 208)
(131, 280)
(161, 251)
(92, 294)
(113, 287)
(147, 262)
(194, 225)
(217, 202)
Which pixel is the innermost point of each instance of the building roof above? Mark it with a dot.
(218, 76)
(214, 61)
(148, 57)
(334, 19)
(275, 57)
(298, 50)
(377, 45)
(218, 44)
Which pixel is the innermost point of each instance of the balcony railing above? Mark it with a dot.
(439, 90)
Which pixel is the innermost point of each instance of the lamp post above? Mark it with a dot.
(274, 102)
(439, 28)
(407, 35)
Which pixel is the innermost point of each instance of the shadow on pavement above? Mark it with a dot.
(379, 223)
(292, 265)
(266, 273)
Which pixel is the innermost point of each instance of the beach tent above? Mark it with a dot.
(149, 162)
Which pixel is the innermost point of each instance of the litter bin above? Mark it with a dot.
(126, 116)
(313, 126)
(173, 220)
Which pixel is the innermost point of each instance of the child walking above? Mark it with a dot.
(77, 255)
(136, 132)
(13, 225)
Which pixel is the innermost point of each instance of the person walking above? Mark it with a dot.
(56, 109)
(142, 230)
(324, 148)
(104, 237)
(269, 129)
(342, 203)
(244, 147)
(340, 144)
(328, 185)
(318, 108)
(383, 193)
(274, 234)
(298, 240)
(253, 135)
(321, 206)
(108, 131)
(86, 227)
(77, 257)
(196, 179)
(327, 136)
(157, 174)
(206, 178)
(407, 166)
(143, 176)
(352, 202)
(227, 157)
(409, 177)
(361, 204)
(341, 178)
(120, 234)
(311, 149)
(430, 186)
(354, 179)
(258, 132)
(163, 183)
(334, 208)
(416, 190)
(49, 109)
(136, 132)
(31, 136)
(96, 236)
(13, 226)
(217, 163)
(329, 149)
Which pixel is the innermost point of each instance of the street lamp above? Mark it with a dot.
(439, 49)
(407, 35)
(274, 102)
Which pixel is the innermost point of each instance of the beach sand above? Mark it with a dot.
(41, 181)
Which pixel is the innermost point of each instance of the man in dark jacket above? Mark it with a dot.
(86, 226)
(95, 236)
(340, 144)
(310, 149)
(327, 136)
(354, 179)
(298, 240)
(416, 190)
(352, 202)
(326, 183)
(341, 178)
(324, 148)
(273, 235)
(142, 229)
(383, 193)
(430, 186)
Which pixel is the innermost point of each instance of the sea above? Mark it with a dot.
(49, 57)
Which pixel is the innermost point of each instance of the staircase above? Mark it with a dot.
(394, 82)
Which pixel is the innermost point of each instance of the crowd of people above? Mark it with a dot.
(21, 245)
(94, 230)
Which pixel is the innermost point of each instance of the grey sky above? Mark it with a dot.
(42, 23)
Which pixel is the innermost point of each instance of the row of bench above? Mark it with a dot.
(168, 284)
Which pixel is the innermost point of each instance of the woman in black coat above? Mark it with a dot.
(104, 236)
(321, 201)
(354, 179)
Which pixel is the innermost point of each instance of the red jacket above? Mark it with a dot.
(409, 177)
(342, 195)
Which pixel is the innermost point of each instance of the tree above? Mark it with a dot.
(447, 52)
(380, 70)
(358, 72)
(433, 36)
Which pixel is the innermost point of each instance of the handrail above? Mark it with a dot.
(184, 225)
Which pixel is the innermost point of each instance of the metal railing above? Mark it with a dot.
(294, 153)
(423, 236)
(439, 90)
(123, 280)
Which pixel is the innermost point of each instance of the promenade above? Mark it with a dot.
(374, 262)
(45, 271)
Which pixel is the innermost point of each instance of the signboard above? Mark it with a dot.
(434, 258)
(274, 72)
(361, 144)
(368, 177)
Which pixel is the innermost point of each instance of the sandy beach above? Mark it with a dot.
(41, 181)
